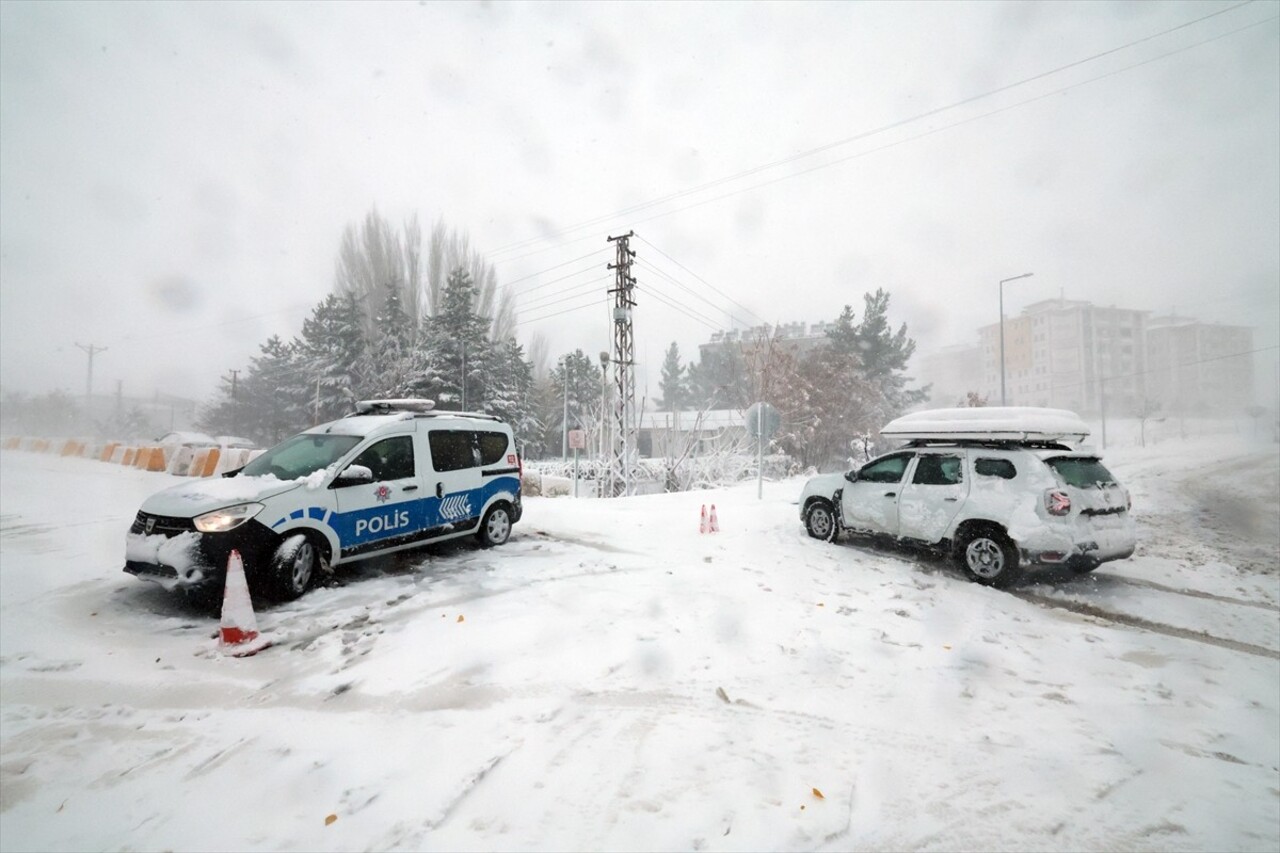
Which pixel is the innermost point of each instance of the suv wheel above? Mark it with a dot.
(496, 527)
(292, 568)
(820, 521)
(989, 557)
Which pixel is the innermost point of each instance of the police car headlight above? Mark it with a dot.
(222, 520)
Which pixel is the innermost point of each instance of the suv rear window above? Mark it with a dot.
(1082, 472)
(1001, 468)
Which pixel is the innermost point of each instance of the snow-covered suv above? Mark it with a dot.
(997, 488)
(394, 475)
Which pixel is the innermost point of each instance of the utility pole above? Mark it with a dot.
(624, 367)
(88, 385)
(235, 407)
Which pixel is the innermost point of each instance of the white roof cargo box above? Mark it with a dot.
(994, 423)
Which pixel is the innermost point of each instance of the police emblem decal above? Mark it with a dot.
(151, 523)
(383, 493)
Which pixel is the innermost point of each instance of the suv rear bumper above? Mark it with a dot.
(1083, 552)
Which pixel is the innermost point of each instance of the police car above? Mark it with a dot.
(393, 475)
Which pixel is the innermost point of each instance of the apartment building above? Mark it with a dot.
(798, 337)
(1195, 367)
(1067, 354)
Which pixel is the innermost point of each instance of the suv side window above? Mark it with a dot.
(887, 470)
(936, 470)
(1001, 468)
(451, 449)
(493, 446)
(389, 459)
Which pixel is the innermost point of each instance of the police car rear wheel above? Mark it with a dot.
(496, 527)
(292, 570)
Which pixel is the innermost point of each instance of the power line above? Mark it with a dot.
(546, 300)
(951, 126)
(696, 316)
(549, 269)
(887, 127)
(693, 293)
(593, 304)
(703, 280)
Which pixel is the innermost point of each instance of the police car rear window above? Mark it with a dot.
(451, 450)
(493, 446)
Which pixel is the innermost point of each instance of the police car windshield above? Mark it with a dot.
(300, 455)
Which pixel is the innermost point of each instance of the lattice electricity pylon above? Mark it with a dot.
(621, 464)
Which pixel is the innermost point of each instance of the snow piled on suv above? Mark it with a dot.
(999, 489)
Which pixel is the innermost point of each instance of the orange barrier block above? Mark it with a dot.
(108, 449)
(156, 462)
(130, 454)
(13, 442)
(211, 464)
(71, 447)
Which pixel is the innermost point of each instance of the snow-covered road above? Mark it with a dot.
(612, 679)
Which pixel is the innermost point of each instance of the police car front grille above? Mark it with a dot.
(163, 525)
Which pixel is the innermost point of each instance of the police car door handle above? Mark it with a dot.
(415, 488)
(439, 490)
(890, 494)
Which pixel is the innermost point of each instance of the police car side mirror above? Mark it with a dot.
(353, 475)
(851, 476)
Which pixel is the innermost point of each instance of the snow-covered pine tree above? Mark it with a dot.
(884, 355)
(334, 356)
(584, 393)
(510, 390)
(675, 396)
(391, 362)
(274, 392)
(460, 340)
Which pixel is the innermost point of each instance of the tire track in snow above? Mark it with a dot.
(1128, 620)
(1195, 593)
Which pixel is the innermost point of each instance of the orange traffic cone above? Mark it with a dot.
(713, 525)
(702, 525)
(239, 635)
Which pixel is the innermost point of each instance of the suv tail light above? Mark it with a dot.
(1057, 502)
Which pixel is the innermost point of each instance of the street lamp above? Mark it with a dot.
(1003, 281)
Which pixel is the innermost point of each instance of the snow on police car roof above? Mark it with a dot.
(995, 423)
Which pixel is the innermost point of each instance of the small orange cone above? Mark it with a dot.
(702, 525)
(239, 635)
(713, 525)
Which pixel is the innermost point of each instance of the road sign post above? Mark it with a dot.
(763, 421)
(577, 440)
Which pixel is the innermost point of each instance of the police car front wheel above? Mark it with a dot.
(292, 567)
(496, 527)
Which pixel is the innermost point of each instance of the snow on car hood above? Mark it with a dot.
(823, 484)
(187, 500)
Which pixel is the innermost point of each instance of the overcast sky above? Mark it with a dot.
(175, 178)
